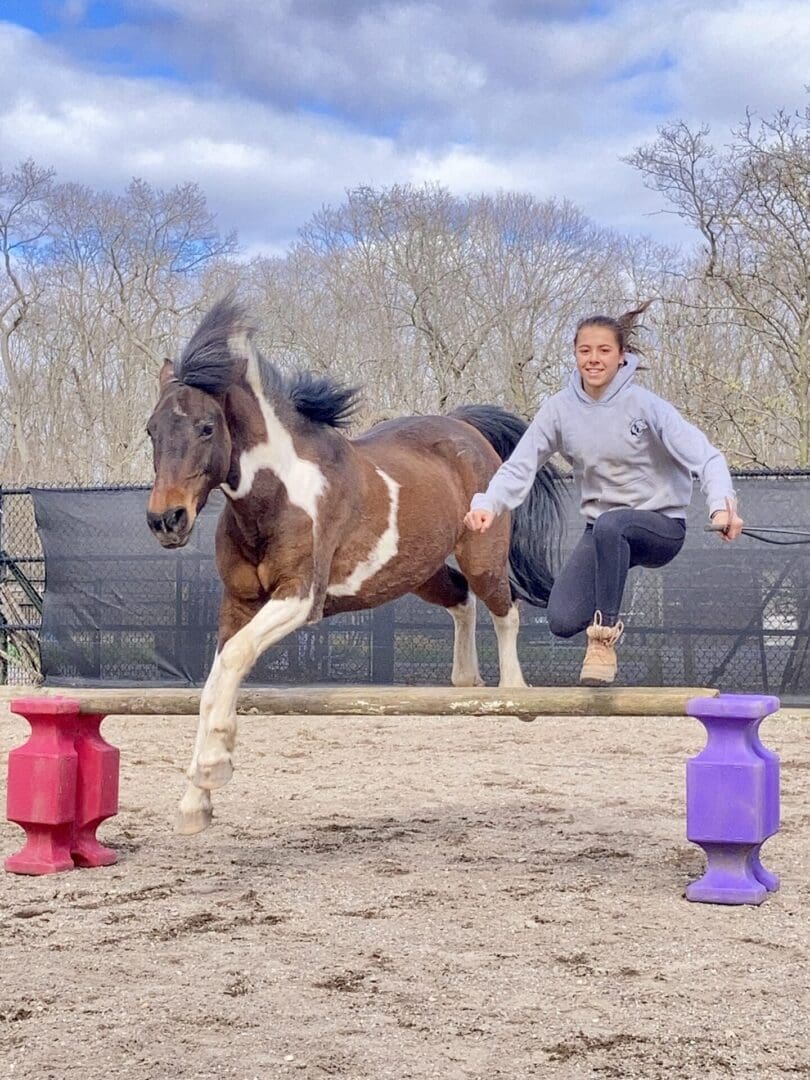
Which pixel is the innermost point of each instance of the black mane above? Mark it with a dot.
(207, 364)
(321, 399)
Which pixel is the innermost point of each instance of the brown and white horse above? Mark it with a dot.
(316, 523)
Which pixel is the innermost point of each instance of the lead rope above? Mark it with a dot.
(756, 533)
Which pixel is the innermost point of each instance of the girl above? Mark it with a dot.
(633, 456)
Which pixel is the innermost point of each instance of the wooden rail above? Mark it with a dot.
(525, 704)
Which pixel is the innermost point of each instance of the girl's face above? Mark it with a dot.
(598, 358)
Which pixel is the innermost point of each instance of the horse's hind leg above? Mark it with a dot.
(506, 631)
(449, 589)
(483, 558)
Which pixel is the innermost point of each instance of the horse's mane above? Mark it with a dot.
(207, 364)
(321, 399)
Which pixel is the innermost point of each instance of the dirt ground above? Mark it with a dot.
(387, 899)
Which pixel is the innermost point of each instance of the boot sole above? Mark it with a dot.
(591, 680)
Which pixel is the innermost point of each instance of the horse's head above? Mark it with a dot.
(192, 451)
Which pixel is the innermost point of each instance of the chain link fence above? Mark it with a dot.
(22, 585)
(119, 610)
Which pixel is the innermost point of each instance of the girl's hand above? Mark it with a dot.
(479, 520)
(728, 522)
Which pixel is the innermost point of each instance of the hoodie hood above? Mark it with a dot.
(622, 377)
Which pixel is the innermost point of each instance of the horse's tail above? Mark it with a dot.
(538, 524)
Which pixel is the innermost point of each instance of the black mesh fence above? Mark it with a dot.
(119, 610)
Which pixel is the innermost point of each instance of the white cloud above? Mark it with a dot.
(279, 107)
(754, 53)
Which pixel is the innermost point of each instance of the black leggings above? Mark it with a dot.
(593, 578)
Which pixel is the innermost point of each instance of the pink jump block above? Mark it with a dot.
(62, 783)
(732, 799)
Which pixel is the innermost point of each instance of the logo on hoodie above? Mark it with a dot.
(638, 427)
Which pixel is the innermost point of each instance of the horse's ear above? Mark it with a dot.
(166, 372)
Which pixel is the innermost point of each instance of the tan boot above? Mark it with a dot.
(599, 666)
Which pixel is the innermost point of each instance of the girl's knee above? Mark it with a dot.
(609, 523)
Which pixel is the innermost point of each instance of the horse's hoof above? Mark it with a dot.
(210, 775)
(191, 822)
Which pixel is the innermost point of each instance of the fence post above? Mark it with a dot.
(4, 643)
(383, 636)
(4, 637)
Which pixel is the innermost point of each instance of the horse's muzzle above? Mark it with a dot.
(171, 527)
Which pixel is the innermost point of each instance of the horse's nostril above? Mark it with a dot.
(175, 519)
(170, 521)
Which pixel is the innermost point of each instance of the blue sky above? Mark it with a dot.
(278, 107)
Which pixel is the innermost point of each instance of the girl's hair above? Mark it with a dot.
(624, 327)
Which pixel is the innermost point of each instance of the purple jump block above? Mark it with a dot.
(732, 799)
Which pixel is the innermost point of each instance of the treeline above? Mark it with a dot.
(424, 298)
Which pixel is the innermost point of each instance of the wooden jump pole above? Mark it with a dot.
(525, 704)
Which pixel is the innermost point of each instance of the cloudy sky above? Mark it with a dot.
(276, 107)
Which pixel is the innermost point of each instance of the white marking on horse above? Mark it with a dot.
(303, 480)
(270, 623)
(195, 813)
(383, 551)
(465, 654)
(506, 629)
(273, 621)
(178, 410)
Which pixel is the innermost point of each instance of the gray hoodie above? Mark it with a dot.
(629, 449)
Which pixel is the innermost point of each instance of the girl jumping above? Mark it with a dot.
(633, 456)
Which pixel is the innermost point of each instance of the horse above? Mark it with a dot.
(317, 523)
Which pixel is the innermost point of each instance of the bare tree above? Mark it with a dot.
(440, 299)
(109, 284)
(544, 264)
(24, 218)
(408, 246)
(423, 298)
(751, 206)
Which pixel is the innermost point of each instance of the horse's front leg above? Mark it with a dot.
(195, 811)
(278, 617)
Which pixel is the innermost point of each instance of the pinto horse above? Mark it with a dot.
(316, 523)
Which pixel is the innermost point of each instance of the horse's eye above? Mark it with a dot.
(206, 430)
